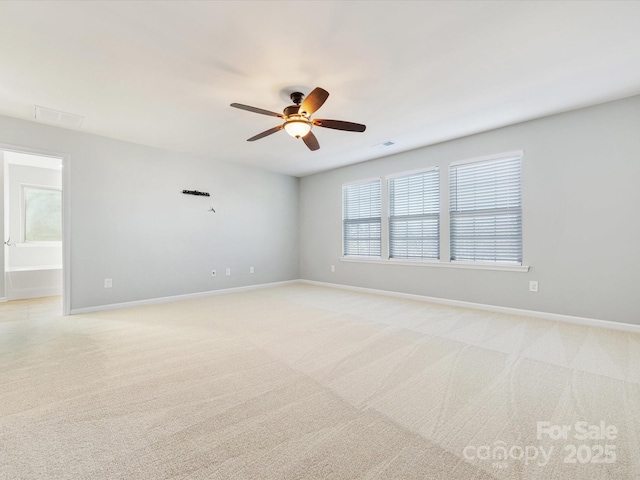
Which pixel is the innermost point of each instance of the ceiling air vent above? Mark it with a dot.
(63, 119)
(388, 143)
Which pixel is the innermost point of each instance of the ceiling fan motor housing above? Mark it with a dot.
(296, 124)
(296, 97)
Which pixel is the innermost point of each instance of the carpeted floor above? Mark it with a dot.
(307, 382)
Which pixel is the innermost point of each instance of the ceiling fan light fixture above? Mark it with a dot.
(297, 118)
(297, 127)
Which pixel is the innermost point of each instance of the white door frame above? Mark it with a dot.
(66, 215)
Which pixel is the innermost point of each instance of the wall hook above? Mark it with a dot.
(8, 242)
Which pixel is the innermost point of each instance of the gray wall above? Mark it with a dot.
(581, 228)
(130, 221)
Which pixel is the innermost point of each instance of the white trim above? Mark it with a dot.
(439, 264)
(588, 322)
(31, 151)
(498, 156)
(66, 214)
(3, 299)
(66, 234)
(382, 199)
(34, 160)
(409, 173)
(402, 175)
(175, 298)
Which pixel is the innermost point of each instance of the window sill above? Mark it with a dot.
(438, 264)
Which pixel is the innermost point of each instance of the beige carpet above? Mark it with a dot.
(305, 382)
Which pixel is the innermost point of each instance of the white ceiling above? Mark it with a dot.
(416, 73)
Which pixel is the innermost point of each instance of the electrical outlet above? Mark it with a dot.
(228, 272)
(108, 282)
(213, 273)
(333, 268)
(252, 270)
(533, 286)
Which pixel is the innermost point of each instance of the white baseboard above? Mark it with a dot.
(591, 322)
(3, 299)
(174, 298)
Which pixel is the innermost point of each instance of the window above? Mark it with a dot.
(414, 216)
(485, 208)
(42, 214)
(361, 219)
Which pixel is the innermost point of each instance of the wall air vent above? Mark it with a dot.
(56, 117)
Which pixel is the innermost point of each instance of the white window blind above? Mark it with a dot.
(414, 216)
(361, 222)
(486, 213)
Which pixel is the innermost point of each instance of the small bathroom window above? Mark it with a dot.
(42, 207)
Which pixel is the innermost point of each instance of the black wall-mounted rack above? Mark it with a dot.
(195, 192)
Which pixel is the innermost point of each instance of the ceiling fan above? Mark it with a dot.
(297, 118)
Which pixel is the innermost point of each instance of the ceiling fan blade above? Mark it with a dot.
(256, 110)
(340, 125)
(265, 133)
(313, 101)
(311, 141)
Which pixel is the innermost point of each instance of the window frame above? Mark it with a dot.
(23, 215)
(344, 220)
(445, 224)
(519, 155)
(410, 173)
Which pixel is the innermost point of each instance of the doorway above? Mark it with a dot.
(34, 230)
